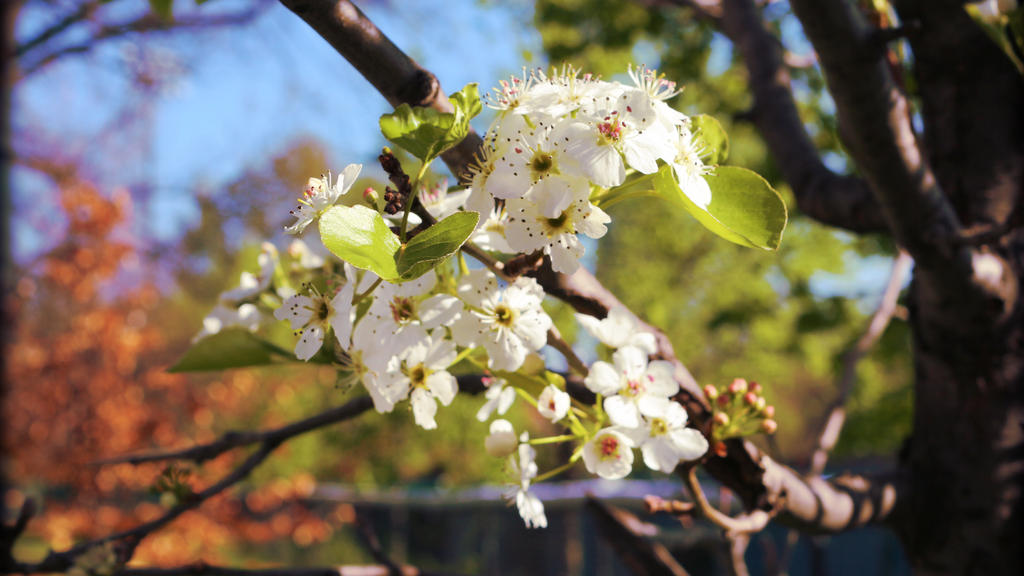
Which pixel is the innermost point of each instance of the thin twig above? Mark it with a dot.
(748, 523)
(556, 341)
(876, 326)
(231, 440)
(738, 543)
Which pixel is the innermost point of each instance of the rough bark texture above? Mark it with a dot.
(969, 353)
(964, 461)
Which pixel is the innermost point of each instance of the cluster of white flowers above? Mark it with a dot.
(637, 398)
(558, 143)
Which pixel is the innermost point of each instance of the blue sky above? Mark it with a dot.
(232, 96)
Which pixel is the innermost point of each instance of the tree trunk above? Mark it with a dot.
(966, 457)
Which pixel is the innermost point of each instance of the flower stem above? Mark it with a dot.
(359, 297)
(553, 472)
(553, 439)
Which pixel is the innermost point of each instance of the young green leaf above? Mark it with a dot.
(744, 208)
(714, 142)
(229, 348)
(435, 244)
(425, 132)
(361, 237)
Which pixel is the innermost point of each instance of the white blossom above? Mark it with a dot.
(246, 316)
(441, 203)
(319, 195)
(249, 284)
(508, 323)
(535, 166)
(530, 229)
(632, 386)
(531, 509)
(421, 374)
(620, 328)
(307, 256)
(666, 440)
(690, 169)
(499, 398)
(312, 315)
(553, 403)
(400, 316)
(609, 454)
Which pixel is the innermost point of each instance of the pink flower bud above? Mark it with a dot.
(738, 386)
(711, 392)
(769, 411)
(721, 450)
(755, 387)
(769, 426)
(721, 419)
(750, 399)
(724, 399)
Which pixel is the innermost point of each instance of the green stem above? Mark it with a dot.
(553, 439)
(359, 297)
(412, 198)
(526, 396)
(552, 473)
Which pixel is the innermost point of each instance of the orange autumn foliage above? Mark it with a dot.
(86, 380)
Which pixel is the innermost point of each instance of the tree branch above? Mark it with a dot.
(232, 440)
(843, 201)
(394, 74)
(876, 326)
(875, 117)
(148, 22)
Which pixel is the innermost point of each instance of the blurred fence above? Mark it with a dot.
(474, 531)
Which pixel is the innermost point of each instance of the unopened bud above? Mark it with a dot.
(721, 450)
(769, 426)
(738, 386)
(724, 399)
(721, 419)
(760, 405)
(769, 411)
(370, 194)
(168, 500)
(755, 387)
(750, 399)
(711, 392)
(502, 440)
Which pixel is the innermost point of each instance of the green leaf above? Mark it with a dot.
(425, 132)
(361, 237)
(435, 244)
(713, 139)
(229, 348)
(744, 208)
(163, 8)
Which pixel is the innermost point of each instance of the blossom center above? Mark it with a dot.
(634, 387)
(541, 164)
(504, 315)
(609, 446)
(323, 310)
(561, 224)
(658, 427)
(418, 375)
(610, 131)
(402, 309)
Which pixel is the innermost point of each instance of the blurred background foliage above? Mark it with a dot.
(105, 309)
